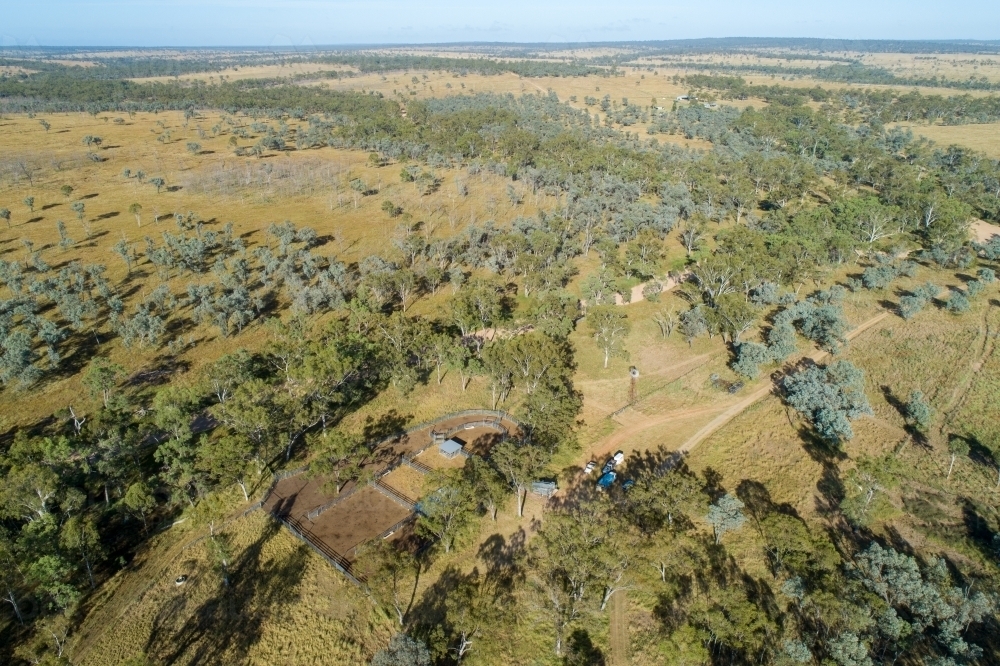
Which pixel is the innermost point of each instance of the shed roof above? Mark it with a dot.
(449, 447)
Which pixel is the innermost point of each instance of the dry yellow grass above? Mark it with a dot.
(307, 187)
(284, 605)
(983, 138)
(955, 66)
(939, 353)
(288, 606)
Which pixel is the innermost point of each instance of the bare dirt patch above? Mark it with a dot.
(984, 231)
(362, 516)
(359, 513)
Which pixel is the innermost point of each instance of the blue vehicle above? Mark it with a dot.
(627, 485)
(605, 481)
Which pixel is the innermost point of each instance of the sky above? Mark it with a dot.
(306, 23)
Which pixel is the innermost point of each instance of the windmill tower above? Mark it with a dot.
(633, 392)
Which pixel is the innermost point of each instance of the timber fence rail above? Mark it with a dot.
(340, 562)
(386, 533)
(314, 514)
(496, 414)
(417, 465)
(394, 494)
(281, 476)
(392, 530)
(445, 434)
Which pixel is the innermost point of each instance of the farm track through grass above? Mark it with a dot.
(313, 615)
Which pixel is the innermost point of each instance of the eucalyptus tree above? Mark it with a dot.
(139, 501)
(609, 327)
(520, 463)
(79, 535)
(829, 397)
(102, 377)
(725, 515)
(124, 250)
(957, 448)
(447, 513)
(79, 208)
(65, 242)
(403, 651)
(918, 411)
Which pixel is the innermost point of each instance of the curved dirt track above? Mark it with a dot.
(763, 391)
(619, 620)
(615, 439)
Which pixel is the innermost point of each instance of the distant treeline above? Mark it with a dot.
(846, 73)
(132, 68)
(61, 92)
(484, 66)
(884, 105)
(139, 67)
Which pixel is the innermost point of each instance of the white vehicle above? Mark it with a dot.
(590, 467)
(618, 458)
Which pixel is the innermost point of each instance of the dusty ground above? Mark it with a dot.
(983, 231)
(364, 512)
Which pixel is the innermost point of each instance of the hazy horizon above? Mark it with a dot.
(310, 23)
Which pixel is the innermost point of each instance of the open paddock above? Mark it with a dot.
(406, 480)
(340, 522)
(363, 516)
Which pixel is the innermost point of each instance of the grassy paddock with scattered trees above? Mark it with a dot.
(204, 284)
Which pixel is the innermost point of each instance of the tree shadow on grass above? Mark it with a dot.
(431, 611)
(496, 584)
(224, 628)
(888, 305)
(82, 346)
(830, 487)
(502, 558)
(978, 452)
(390, 424)
(900, 407)
(757, 500)
(978, 528)
(581, 651)
(157, 375)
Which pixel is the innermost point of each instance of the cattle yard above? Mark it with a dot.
(338, 524)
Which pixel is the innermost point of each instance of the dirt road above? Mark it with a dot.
(615, 440)
(619, 630)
